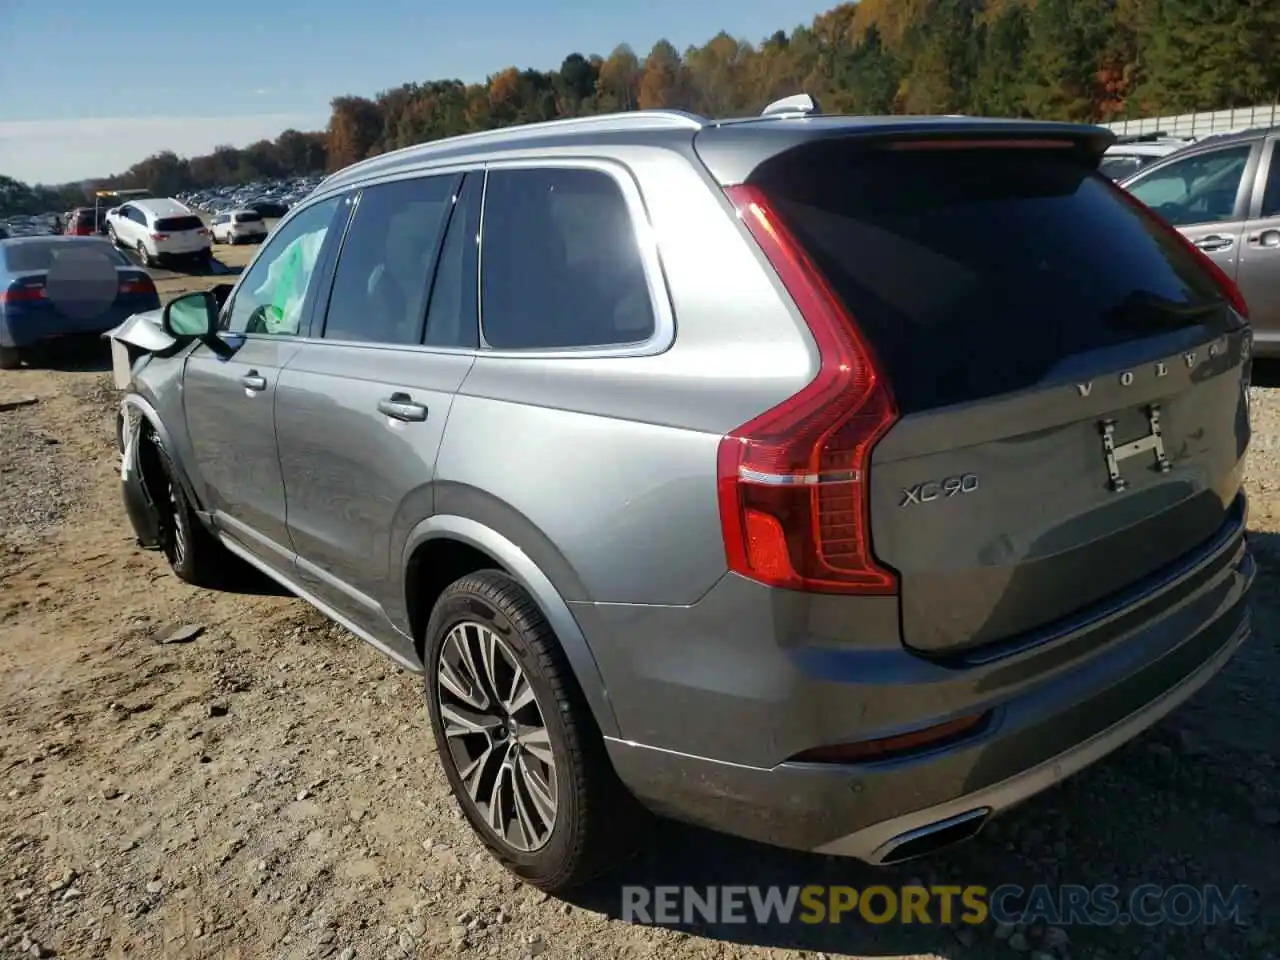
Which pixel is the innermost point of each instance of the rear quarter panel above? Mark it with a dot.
(603, 468)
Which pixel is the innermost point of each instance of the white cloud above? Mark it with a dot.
(61, 151)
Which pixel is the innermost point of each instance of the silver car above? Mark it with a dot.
(1224, 195)
(834, 482)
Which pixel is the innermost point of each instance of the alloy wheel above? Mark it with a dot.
(178, 542)
(497, 736)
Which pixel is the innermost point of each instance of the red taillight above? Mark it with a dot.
(793, 481)
(889, 747)
(1228, 286)
(159, 236)
(137, 285)
(22, 293)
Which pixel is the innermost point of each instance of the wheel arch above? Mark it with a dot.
(146, 421)
(471, 546)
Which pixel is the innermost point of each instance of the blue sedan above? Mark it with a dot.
(53, 287)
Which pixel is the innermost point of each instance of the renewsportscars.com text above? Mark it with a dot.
(1065, 905)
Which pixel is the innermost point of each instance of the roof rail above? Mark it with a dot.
(1214, 134)
(1146, 137)
(800, 105)
(621, 121)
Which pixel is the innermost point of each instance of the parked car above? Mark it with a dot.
(1223, 194)
(159, 229)
(236, 225)
(52, 287)
(791, 476)
(85, 222)
(1128, 155)
(268, 208)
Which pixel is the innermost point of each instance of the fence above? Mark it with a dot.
(1201, 124)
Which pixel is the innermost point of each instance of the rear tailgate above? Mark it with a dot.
(1071, 379)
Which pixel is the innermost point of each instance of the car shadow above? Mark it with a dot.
(1266, 372)
(1175, 806)
(242, 578)
(213, 267)
(87, 353)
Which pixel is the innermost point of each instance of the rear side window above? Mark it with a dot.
(560, 265)
(248, 218)
(453, 314)
(384, 270)
(1271, 197)
(973, 272)
(178, 224)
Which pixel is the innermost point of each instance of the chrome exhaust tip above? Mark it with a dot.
(933, 837)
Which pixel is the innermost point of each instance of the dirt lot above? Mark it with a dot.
(269, 788)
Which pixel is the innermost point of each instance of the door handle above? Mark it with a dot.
(1267, 238)
(1215, 241)
(253, 381)
(401, 406)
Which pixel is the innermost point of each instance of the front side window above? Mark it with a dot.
(560, 262)
(384, 271)
(271, 296)
(1199, 189)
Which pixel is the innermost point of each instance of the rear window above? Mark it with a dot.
(248, 218)
(974, 272)
(39, 255)
(178, 224)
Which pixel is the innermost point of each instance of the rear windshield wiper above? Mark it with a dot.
(1143, 310)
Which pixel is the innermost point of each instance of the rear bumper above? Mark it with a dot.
(165, 254)
(32, 329)
(713, 749)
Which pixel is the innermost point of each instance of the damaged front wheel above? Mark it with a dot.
(192, 551)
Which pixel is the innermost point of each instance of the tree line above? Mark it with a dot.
(1081, 60)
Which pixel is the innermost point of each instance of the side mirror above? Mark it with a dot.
(194, 315)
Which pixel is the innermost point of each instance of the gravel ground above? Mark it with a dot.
(269, 789)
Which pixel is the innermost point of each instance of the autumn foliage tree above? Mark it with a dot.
(1087, 60)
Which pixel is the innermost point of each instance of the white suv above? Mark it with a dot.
(159, 230)
(232, 226)
(1128, 155)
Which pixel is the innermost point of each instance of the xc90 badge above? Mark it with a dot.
(939, 489)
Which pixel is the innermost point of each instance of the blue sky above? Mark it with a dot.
(89, 87)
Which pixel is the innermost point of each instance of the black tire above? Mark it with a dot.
(596, 821)
(194, 554)
(10, 358)
(145, 256)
